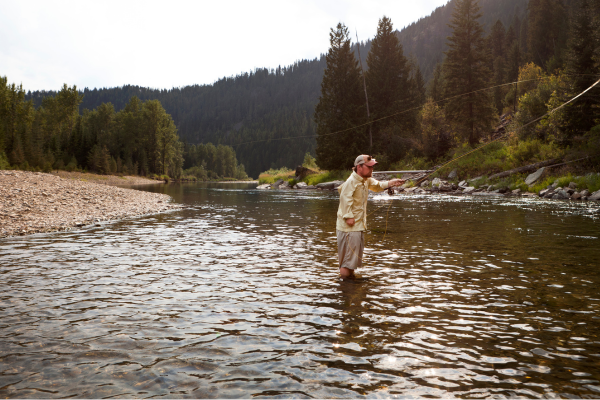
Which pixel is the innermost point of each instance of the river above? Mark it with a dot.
(238, 296)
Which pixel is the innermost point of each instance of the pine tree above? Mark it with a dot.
(341, 106)
(583, 70)
(390, 89)
(545, 32)
(466, 71)
(436, 84)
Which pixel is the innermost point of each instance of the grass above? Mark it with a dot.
(273, 175)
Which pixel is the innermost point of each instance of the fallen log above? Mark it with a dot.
(526, 168)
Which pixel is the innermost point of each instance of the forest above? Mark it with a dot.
(140, 139)
(270, 118)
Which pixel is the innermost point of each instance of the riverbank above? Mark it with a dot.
(33, 202)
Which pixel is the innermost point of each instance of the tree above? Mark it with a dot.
(390, 89)
(436, 85)
(465, 72)
(341, 106)
(436, 135)
(546, 32)
(583, 70)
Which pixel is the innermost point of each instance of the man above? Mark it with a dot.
(352, 213)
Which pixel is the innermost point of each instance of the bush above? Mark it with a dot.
(4, 161)
(327, 176)
(273, 175)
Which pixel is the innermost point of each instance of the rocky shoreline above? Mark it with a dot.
(33, 202)
(465, 187)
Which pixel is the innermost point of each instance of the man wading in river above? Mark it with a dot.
(352, 213)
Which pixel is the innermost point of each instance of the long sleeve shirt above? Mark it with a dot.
(353, 201)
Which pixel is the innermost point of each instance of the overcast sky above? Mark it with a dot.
(165, 44)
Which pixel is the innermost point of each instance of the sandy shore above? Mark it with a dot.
(32, 202)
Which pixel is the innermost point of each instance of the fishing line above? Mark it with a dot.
(479, 148)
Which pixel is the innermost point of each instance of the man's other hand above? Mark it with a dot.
(350, 221)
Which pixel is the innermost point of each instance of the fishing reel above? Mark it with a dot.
(390, 191)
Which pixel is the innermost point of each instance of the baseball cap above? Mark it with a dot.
(365, 159)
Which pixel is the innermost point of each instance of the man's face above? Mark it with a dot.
(365, 171)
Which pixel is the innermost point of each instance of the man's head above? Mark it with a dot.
(363, 165)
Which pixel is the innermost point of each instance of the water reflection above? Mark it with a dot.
(238, 296)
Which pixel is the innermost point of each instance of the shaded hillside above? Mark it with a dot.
(426, 38)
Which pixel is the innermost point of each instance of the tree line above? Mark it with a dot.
(556, 49)
(140, 139)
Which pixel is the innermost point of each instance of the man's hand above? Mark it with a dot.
(396, 182)
(350, 221)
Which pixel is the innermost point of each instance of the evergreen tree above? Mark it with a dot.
(390, 90)
(466, 71)
(545, 32)
(513, 63)
(341, 106)
(583, 70)
(436, 85)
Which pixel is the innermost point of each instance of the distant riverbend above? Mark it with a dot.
(236, 295)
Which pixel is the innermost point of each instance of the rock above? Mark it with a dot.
(264, 186)
(329, 185)
(453, 174)
(549, 194)
(425, 183)
(560, 195)
(284, 185)
(302, 172)
(570, 191)
(532, 178)
(504, 190)
(572, 185)
(436, 182)
(516, 191)
(277, 184)
(529, 194)
(310, 187)
(469, 189)
(555, 184)
(411, 189)
(595, 196)
(301, 185)
(576, 196)
(454, 186)
(585, 193)
(445, 187)
(463, 183)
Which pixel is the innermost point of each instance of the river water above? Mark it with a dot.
(238, 296)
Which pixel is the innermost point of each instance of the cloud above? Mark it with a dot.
(163, 45)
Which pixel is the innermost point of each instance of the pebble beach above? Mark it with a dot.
(33, 202)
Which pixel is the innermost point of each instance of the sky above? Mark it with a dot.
(166, 44)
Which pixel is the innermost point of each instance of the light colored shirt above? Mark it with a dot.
(353, 201)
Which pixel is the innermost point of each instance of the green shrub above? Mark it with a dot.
(327, 176)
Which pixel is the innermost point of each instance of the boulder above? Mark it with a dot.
(453, 174)
(310, 187)
(329, 185)
(532, 178)
(549, 194)
(302, 172)
(569, 191)
(284, 185)
(425, 183)
(585, 193)
(301, 185)
(576, 196)
(277, 184)
(436, 182)
(445, 187)
(463, 183)
(595, 196)
(572, 185)
(469, 189)
(264, 186)
(516, 191)
(560, 195)
(544, 191)
(504, 190)
(411, 189)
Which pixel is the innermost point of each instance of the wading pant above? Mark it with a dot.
(350, 248)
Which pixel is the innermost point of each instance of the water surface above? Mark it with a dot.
(238, 296)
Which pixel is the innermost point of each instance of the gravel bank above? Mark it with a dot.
(32, 202)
